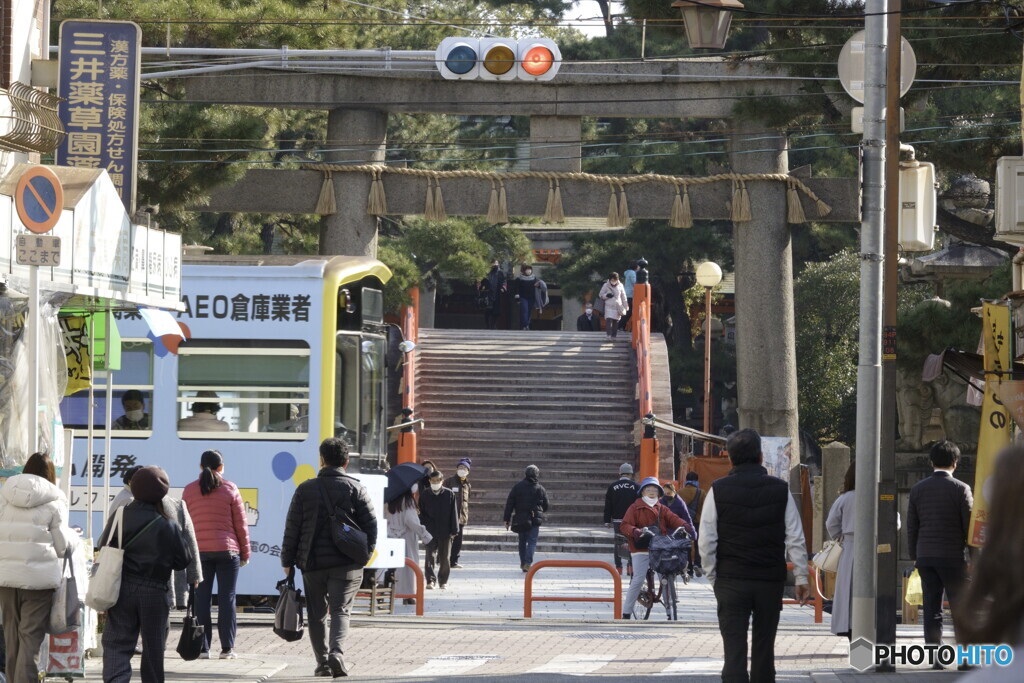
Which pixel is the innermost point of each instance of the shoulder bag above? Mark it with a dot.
(827, 559)
(65, 611)
(190, 644)
(348, 538)
(105, 583)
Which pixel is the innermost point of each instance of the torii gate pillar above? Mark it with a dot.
(361, 135)
(765, 329)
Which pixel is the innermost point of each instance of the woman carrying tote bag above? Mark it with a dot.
(840, 526)
(34, 534)
(154, 546)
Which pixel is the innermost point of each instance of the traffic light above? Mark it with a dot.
(498, 59)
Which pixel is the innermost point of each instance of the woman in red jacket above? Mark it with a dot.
(646, 511)
(218, 515)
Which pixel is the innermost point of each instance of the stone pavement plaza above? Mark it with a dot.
(475, 631)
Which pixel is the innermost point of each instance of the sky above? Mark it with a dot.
(588, 9)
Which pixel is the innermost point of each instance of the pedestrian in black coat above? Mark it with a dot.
(938, 518)
(588, 321)
(524, 514)
(331, 578)
(439, 513)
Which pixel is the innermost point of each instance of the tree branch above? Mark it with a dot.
(951, 224)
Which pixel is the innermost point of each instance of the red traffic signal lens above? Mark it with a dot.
(538, 60)
(499, 60)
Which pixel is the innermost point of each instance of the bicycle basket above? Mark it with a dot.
(669, 555)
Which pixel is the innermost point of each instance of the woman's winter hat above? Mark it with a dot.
(652, 481)
(150, 484)
(465, 462)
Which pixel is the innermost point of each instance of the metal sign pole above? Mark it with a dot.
(32, 322)
(109, 411)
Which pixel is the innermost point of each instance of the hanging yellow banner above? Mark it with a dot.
(996, 424)
(75, 331)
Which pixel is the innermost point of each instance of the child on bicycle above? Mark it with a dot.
(646, 512)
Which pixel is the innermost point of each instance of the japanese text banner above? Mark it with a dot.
(99, 83)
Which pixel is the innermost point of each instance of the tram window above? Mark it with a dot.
(132, 408)
(372, 366)
(246, 389)
(346, 388)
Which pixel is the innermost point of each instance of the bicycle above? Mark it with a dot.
(668, 559)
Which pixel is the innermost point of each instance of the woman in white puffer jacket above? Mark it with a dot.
(34, 535)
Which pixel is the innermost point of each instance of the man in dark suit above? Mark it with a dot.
(938, 516)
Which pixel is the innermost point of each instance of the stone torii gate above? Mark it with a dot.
(358, 103)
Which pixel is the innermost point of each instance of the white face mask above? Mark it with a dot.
(462, 473)
(134, 415)
(435, 487)
(651, 500)
(415, 488)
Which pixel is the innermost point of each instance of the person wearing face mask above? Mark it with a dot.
(135, 415)
(439, 514)
(646, 512)
(460, 486)
(523, 288)
(615, 304)
(491, 289)
(588, 322)
(404, 523)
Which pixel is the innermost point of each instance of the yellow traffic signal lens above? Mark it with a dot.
(499, 60)
(538, 60)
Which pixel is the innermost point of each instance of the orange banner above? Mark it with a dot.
(996, 424)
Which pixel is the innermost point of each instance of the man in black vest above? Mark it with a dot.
(938, 517)
(749, 525)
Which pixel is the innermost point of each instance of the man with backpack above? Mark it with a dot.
(330, 576)
(694, 499)
(644, 519)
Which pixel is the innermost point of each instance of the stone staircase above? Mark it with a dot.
(563, 401)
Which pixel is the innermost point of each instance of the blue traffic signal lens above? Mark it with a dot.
(461, 59)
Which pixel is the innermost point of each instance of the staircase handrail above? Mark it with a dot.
(411, 332)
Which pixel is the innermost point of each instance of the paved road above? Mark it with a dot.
(475, 631)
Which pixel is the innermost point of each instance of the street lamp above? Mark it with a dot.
(709, 274)
(707, 21)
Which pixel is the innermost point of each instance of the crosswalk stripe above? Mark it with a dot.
(450, 666)
(693, 665)
(573, 665)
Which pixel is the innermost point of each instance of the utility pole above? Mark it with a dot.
(887, 580)
(869, 368)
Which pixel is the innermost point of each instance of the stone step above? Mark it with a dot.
(552, 371)
(454, 447)
(436, 404)
(539, 427)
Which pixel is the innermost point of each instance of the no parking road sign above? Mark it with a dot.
(39, 199)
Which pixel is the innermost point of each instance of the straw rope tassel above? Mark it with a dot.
(823, 208)
(556, 206)
(492, 207)
(623, 206)
(794, 209)
(681, 216)
(613, 209)
(441, 214)
(428, 208)
(548, 207)
(502, 203)
(326, 204)
(377, 204)
(740, 210)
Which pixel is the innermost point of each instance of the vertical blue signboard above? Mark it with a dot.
(99, 82)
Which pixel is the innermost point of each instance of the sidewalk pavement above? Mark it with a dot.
(475, 631)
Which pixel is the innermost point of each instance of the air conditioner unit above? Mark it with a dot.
(1010, 200)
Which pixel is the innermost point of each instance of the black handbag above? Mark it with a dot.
(190, 644)
(288, 621)
(348, 538)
